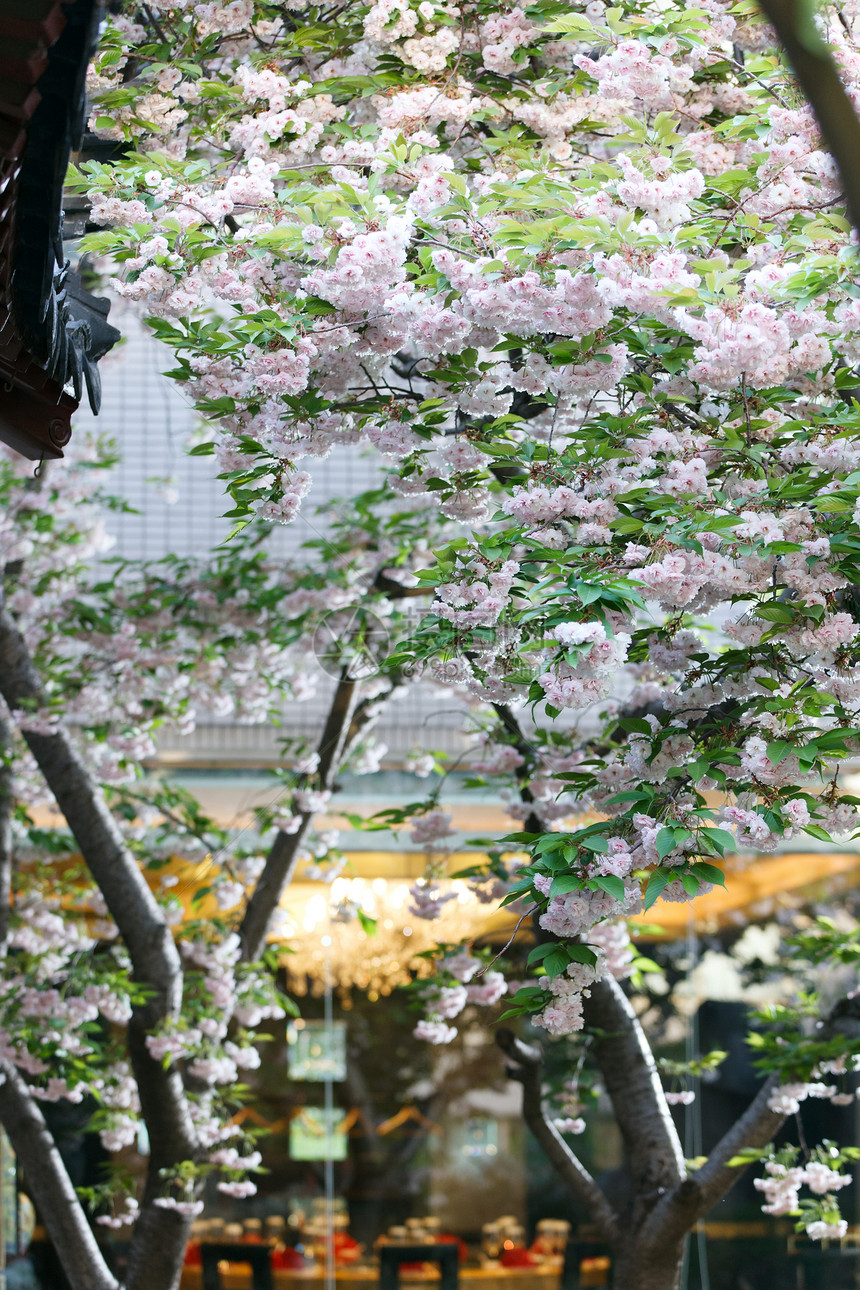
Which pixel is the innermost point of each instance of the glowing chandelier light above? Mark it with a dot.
(375, 961)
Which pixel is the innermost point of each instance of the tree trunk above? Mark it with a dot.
(5, 833)
(158, 1247)
(51, 1187)
(635, 1268)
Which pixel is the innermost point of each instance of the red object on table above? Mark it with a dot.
(288, 1259)
(447, 1238)
(346, 1249)
(193, 1257)
(518, 1257)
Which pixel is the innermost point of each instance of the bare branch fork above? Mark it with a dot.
(160, 1234)
(691, 1199)
(524, 1065)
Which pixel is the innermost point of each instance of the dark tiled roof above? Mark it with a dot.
(52, 331)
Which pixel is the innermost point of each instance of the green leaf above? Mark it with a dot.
(665, 842)
(816, 831)
(556, 961)
(581, 954)
(612, 885)
(721, 840)
(516, 893)
(747, 1155)
(564, 884)
(773, 613)
(635, 725)
(550, 842)
(539, 952)
(597, 842)
(708, 873)
(658, 880)
(587, 594)
(698, 769)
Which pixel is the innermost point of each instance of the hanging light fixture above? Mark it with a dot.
(374, 956)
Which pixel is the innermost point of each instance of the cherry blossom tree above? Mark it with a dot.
(805, 1039)
(583, 278)
(113, 987)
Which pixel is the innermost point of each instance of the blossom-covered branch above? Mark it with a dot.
(128, 897)
(145, 932)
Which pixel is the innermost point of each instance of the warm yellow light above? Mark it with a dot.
(385, 958)
(316, 912)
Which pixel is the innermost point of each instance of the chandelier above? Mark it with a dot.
(347, 955)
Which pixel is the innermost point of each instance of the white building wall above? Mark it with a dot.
(150, 419)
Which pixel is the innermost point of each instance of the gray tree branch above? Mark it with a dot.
(347, 720)
(132, 905)
(5, 832)
(524, 1065)
(159, 1240)
(51, 1186)
(757, 1127)
(277, 875)
(694, 1196)
(818, 76)
(155, 959)
(624, 1056)
(631, 1078)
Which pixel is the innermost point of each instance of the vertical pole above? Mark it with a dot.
(693, 1114)
(329, 1119)
(5, 1200)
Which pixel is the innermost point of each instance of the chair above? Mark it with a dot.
(258, 1256)
(446, 1254)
